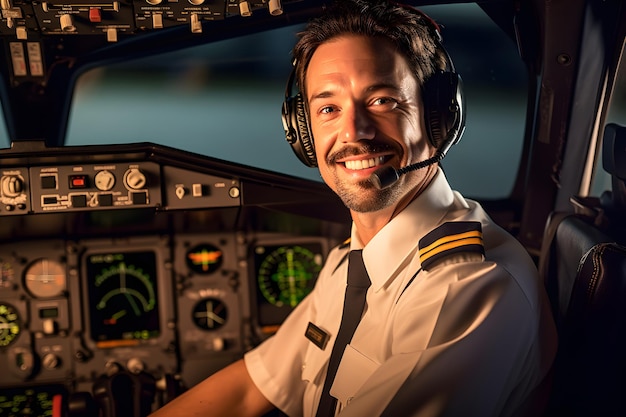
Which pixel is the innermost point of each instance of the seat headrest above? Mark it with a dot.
(614, 150)
(614, 162)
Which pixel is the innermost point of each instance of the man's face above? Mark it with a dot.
(365, 112)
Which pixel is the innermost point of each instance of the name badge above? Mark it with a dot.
(316, 335)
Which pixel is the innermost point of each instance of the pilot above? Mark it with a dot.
(452, 319)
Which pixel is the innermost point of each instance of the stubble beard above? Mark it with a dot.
(365, 197)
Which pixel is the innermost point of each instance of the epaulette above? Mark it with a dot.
(449, 239)
(345, 243)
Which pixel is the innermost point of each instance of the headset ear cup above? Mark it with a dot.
(296, 126)
(305, 139)
(444, 109)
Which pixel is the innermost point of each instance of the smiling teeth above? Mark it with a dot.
(364, 163)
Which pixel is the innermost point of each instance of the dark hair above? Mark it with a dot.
(413, 33)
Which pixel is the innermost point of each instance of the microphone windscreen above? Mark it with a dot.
(384, 177)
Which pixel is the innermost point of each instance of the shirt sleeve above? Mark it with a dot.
(275, 365)
(279, 365)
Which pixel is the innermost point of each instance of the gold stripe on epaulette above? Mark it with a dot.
(449, 242)
(451, 238)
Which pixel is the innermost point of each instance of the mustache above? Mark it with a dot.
(359, 149)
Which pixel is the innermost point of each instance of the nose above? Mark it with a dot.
(357, 124)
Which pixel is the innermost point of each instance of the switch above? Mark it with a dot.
(276, 9)
(244, 8)
(112, 34)
(49, 182)
(49, 326)
(50, 200)
(79, 200)
(78, 181)
(67, 23)
(196, 26)
(95, 15)
(157, 21)
(139, 198)
(21, 33)
(197, 190)
(105, 200)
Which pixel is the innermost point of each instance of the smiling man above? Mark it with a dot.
(365, 111)
(452, 319)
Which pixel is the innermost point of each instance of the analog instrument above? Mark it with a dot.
(45, 278)
(210, 314)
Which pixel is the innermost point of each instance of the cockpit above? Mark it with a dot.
(154, 223)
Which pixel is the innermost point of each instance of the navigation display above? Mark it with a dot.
(122, 296)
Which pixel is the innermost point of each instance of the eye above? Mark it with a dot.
(385, 101)
(327, 110)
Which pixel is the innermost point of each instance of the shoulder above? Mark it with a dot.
(452, 242)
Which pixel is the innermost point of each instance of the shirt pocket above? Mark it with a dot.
(355, 368)
(315, 360)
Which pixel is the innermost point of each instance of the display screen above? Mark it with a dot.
(122, 296)
(285, 275)
(32, 401)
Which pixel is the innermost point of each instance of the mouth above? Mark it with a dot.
(366, 163)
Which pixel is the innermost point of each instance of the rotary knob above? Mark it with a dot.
(134, 179)
(12, 185)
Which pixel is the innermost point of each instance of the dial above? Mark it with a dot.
(45, 278)
(286, 274)
(9, 324)
(123, 296)
(210, 314)
(104, 180)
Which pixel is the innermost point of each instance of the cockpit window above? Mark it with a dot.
(223, 100)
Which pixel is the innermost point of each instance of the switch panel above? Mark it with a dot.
(95, 186)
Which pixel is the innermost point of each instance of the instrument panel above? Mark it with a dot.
(151, 294)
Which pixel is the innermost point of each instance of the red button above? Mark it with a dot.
(78, 181)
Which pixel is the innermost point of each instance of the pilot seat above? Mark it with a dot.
(583, 264)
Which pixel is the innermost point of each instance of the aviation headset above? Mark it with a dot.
(442, 95)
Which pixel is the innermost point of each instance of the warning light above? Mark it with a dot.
(78, 181)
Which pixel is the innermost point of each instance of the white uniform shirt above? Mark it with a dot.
(468, 337)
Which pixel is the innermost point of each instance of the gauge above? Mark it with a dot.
(204, 259)
(210, 314)
(7, 274)
(123, 296)
(9, 324)
(45, 278)
(286, 274)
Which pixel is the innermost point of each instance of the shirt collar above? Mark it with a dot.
(386, 252)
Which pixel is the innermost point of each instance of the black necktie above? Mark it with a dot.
(358, 283)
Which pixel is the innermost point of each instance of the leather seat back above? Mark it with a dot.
(583, 266)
